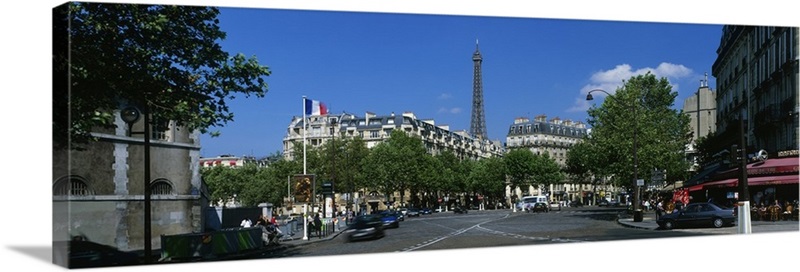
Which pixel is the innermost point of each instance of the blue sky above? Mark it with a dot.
(360, 62)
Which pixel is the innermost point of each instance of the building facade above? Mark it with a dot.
(757, 79)
(99, 192)
(553, 137)
(375, 129)
(702, 111)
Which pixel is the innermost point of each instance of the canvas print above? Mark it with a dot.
(186, 134)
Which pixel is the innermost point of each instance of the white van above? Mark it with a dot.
(527, 202)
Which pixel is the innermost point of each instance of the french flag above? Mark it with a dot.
(314, 107)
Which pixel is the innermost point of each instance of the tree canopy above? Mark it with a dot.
(165, 57)
(643, 105)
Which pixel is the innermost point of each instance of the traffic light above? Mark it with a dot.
(735, 154)
(327, 188)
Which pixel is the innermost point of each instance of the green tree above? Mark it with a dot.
(520, 168)
(349, 177)
(546, 171)
(581, 164)
(165, 57)
(488, 178)
(643, 105)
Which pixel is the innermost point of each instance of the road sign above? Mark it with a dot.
(640, 182)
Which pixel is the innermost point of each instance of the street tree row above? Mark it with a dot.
(401, 164)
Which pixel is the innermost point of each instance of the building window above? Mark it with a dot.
(373, 134)
(161, 187)
(71, 186)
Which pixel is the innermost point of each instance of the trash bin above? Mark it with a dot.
(637, 216)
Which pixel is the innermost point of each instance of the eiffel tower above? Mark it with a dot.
(478, 123)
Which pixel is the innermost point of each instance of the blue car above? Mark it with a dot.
(390, 219)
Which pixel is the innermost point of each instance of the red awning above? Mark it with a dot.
(754, 181)
(697, 187)
(721, 183)
(773, 180)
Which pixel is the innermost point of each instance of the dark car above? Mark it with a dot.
(425, 211)
(459, 209)
(539, 207)
(390, 219)
(365, 227)
(84, 254)
(575, 204)
(603, 203)
(698, 215)
(412, 212)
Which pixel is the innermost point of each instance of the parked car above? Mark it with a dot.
(698, 215)
(459, 209)
(539, 207)
(390, 219)
(400, 216)
(425, 211)
(603, 203)
(365, 227)
(412, 212)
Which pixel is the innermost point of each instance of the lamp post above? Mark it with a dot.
(131, 115)
(637, 211)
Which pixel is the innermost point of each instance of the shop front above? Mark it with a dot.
(768, 181)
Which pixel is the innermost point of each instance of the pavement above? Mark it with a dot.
(649, 223)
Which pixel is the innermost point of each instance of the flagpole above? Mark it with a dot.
(305, 205)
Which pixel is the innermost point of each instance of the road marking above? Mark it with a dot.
(479, 227)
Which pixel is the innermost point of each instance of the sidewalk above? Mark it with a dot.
(649, 223)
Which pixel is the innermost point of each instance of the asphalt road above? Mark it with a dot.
(481, 229)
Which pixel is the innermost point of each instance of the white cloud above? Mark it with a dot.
(445, 96)
(610, 80)
(450, 110)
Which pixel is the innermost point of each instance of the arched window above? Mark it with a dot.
(71, 186)
(161, 187)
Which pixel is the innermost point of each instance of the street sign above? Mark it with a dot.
(640, 182)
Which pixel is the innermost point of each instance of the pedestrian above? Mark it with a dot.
(659, 209)
(318, 225)
(311, 226)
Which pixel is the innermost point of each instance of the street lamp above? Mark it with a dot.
(131, 115)
(637, 211)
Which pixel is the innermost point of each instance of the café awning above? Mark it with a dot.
(754, 181)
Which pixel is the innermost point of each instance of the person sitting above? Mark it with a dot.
(774, 211)
(787, 213)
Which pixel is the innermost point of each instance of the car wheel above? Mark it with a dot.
(669, 224)
(718, 223)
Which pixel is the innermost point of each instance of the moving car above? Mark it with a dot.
(459, 209)
(412, 212)
(390, 219)
(365, 227)
(425, 211)
(698, 215)
(539, 207)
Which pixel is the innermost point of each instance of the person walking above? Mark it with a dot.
(318, 225)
